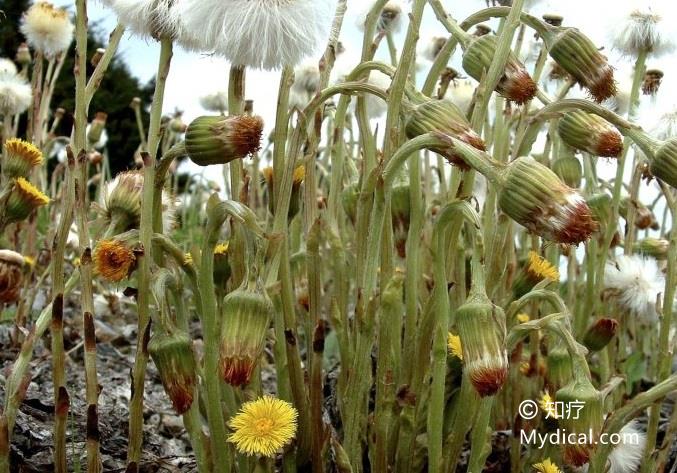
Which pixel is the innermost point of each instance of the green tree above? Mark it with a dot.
(117, 90)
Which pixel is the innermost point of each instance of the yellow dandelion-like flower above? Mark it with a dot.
(30, 261)
(20, 157)
(187, 259)
(454, 345)
(221, 249)
(264, 426)
(547, 403)
(546, 466)
(523, 318)
(113, 260)
(542, 267)
(31, 193)
(299, 175)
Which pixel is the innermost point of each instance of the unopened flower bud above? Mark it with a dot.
(247, 314)
(590, 133)
(444, 117)
(23, 55)
(587, 420)
(122, 200)
(20, 158)
(558, 367)
(481, 30)
(664, 164)
(553, 19)
(220, 140)
(482, 331)
(534, 196)
(177, 125)
(600, 207)
(569, 169)
(97, 127)
(515, 84)
(580, 58)
(652, 81)
(654, 247)
(96, 57)
(135, 103)
(11, 276)
(175, 361)
(644, 217)
(600, 334)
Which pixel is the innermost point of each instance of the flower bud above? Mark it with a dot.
(23, 55)
(600, 334)
(220, 140)
(97, 56)
(600, 207)
(175, 361)
(20, 157)
(482, 331)
(515, 84)
(481, 30)
(664, 164)
(444, 117)
(22, 201)
(401, 212)
(11, 276)
(535, 270)
(177, 125)
(349, 198)
(654, 247)
(295, 200)
(578, 56)
(558, 367)
(97, 127)
(247, 315)
(652, 81)
(644, 217)
(569, 169)
(590, 133)
(533, 195)
(588, 420)
(553, 19)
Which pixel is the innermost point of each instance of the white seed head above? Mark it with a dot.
(376, 107)
(7, 66)
(430, 48)
(263, 34)
(307, 78)
(635, 282)
(391, 18)
(643, 27)
(15, 94)
(626, 456)
(47, 29)
(215, 102)
(666, 126)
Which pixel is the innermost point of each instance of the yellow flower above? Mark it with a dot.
(264, 426)
(23, 200)
(299, 175)
(547, 403)
(455, 347)
(541, 267)
(523, 318)
(546, 466)
(113, 260)
(29, 260)
(221, 249)
(187, 259)
(31, 192)
(20, 157)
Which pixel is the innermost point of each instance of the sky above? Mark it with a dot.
(194, 75)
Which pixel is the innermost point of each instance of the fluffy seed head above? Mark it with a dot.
(153, 18)
(390, 19)
(16, 94)
(263, 427)
(219, 140)
(643, 28)
(7, 66)
(263, 34)
(432, 47)
(216, 102)
(113, 260)
(11, 276)
(635, 282)
(47, 29)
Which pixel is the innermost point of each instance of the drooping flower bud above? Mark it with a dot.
(22, 201)
(654, 247)
(599, 334)
(535, 270)
(590, 133)
(401, 212)
(247, 314)
(533, 195)
(664, 164)
(444, 117)
(558, 367)
(23, 55)
(11, 276)
(582, 60)
(20, 157)
(569, 169)
(220, 140)
(587, 420)
(175, 361)
(515, 84)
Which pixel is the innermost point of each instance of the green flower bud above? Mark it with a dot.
(175, 361)
(401, 212)
(96, 128)
(220, 140)
(655, 247)
(569, 169)
(664, 164)
(600, 207)
(558, 365)
(515, 84)
(578, 56)
(600, 334)
(590, 133)
(349, 198)
(534, 196)
(444, 117)
(247, 315)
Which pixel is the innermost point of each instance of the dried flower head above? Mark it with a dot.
(546, 466)
(16, 94)
(47, 29)
(454, 346)
(113, 260)
(534, 196)
(635, 282)
(643, 27)
(266, 34)
(20, 157)
(263, 427)
(219, 140)
(599, 334)
(11, 276)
